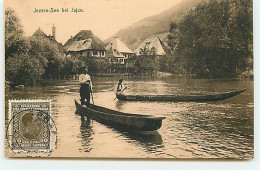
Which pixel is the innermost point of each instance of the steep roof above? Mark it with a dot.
(150, 43)
(119, 46)
(87, 44)
(40, 34)
(85, 35)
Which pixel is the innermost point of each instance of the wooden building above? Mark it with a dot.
(85, 44)
(151, 46)
(148, 55)
(118, 52)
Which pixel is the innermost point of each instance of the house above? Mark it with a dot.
(40, 34)
(148, 56)
(142, 65)
(117, 52)
(85, 44)
(151, 46)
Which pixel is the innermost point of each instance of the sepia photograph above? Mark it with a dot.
(129, 79)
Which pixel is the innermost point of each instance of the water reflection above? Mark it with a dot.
(119, 105)
(150, 141)
(86, 132)
(222, 129)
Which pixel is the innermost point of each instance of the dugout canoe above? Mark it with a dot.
(181, 98)
(125, 121)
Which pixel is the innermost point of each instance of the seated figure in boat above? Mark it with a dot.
(85, 87)
(119, 86)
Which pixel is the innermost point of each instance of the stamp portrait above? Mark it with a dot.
(29, 126)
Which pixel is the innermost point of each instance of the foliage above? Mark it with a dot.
(72, 66)
(28, 58)
(23, 69)
(14, 39)
(95, 65)
(47, 53)
(214, 39)
(165, 63)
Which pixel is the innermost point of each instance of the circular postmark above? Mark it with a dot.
(31, 130)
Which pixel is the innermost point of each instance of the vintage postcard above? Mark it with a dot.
(164, 79)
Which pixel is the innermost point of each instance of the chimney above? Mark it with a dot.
(54, 32)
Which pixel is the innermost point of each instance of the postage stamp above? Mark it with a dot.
(29, 126)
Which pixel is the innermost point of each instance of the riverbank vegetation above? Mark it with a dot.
(30, 59)
(215, 39)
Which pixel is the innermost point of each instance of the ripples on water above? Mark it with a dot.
(222, 129)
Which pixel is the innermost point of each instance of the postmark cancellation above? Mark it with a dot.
(30, 126)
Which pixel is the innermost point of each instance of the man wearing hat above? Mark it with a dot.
(85, 87)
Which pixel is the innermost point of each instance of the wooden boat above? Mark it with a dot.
(126, 121)
(190, 98)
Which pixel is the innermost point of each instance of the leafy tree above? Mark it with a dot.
(23, 69)
(214, 39)
(95, 65)
(72, 66)
(173, 36)
(15, 42)
(28, 58)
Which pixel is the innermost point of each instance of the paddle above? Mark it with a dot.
(92, 98)
(121, 92)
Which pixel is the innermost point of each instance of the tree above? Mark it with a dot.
(47, 53)
(214, 39)
(173, 36)
(28, 58)
(23, 69)
(15, 42)
(72, 66)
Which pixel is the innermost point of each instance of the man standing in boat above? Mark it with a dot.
(85, 87)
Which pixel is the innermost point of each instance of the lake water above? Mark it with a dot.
(220, 129)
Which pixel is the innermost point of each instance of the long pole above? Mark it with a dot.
(92, 98)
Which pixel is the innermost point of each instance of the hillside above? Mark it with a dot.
(153, 26)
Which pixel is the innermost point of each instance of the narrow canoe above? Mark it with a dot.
(126, 121)
(180, 98)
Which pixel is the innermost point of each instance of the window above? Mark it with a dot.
(95, 53)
